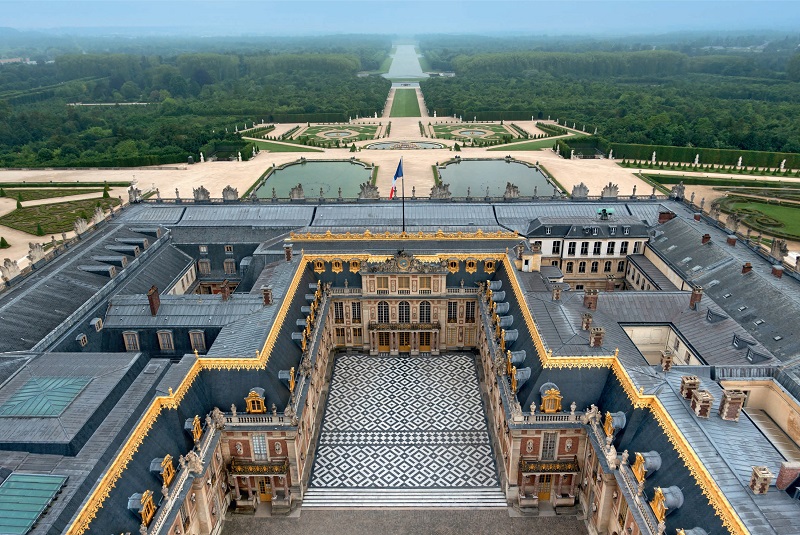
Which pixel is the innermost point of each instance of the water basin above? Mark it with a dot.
(472, 133)
(477, 175)
(408, 145)
(313, 175)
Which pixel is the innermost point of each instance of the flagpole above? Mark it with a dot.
(403, 188)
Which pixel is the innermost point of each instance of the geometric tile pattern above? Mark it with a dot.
(44, 396)
(404, 422)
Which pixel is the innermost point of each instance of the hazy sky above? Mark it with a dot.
(551, 17)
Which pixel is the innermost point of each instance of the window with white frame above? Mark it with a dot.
(469, 312)
(355, 310)
(338, 312)
(637, 247)
(598, 245)
(556, 247)
(425, 312)
(404, 312)
(610, 247)
(571, 248)
(383, 312)
(623, 248)
(549, 446)
(584, 248)
(452, 312)
(259, 447)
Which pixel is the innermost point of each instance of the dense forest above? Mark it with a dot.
(182, 102)
(740, 96)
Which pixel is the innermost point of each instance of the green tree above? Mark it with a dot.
(2, 192)
(4, 244)
(793, 68)
(39, 230)
(106, 195)
(19, 201)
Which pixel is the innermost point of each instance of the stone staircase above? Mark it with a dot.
(454, 497)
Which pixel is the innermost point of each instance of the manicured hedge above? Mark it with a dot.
(666, 153)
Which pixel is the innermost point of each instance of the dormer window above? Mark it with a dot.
(229, 249)
(148, 509)
(203, 249)
(452, 265)
(612, 230)
(167, 470)
(489, 266)
(626, 230)
(254, 402)
(548, 230)
(355, 266)
(319, 266)
(336, 266)
(82, 340)
(551, 401)
(595, 231)
(97, 323)
(472, 266)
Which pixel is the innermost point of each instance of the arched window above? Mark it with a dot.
(383, 312)
(570, 266)
(404, 312)
(581, 267)
(607, 267)
(425, 312)
(595, 266)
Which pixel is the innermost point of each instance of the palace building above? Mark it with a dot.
(626, 362)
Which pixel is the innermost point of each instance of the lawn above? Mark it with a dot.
(54, 218)
(530, 145)
(25, 195)
(280, 147)
(479, 132)
(405, 103)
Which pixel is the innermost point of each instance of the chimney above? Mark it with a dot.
(706, 239)
(701, 403)
(665, 216)
(586, 321)
(557, 293)
(697, 216)
(596, 335)
(731, 240)
(287, 251)
(760, 480)
(610, 280)
(590, 299)
(731, 406)
(154, 299)
(666, 360)
(747, 268)
(696, 297)
(689, 383)
(266, 292)
(777, 271)
(225, 290)
(788, 472)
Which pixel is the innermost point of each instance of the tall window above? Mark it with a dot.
(595, 266)
(549, 447)
(621, 266)
(404, 285)
(355, 309)
(204, 267)
(404, 312)
(259, 447)
(338, 312)
(165, 340)
(637, 247)
(584, 248)
(383, 312)
(198, 340)
(452, 312)
(230, 266)
(425, 312)
(597, 246)
(607, 267)
(383, 285)
(610, 248)
(570, 267)
(571, 248)
(425, 285)
(581, 267)
(623, 248)
(131, 339)
(339, 334)
(358, 336)
(469, 312)
(556, 247)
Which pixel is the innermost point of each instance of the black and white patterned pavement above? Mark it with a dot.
(404, 423)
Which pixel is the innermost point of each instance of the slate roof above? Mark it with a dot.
(575, 227)
(652, 273)
(747, 298)
(517, 216)
(560, 325)
(419, 216)
(255, 215)
(33, 307)
(192, 310)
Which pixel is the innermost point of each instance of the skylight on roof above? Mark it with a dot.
(23, 499)
(43, 397)
(758, 322)
(697, 268)
(687, 260)
(726, 296)
(777, 338)
(712, 283)
(672, 247)
(742, 308)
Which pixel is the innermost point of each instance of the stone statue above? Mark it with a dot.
(413, 192)
(202, 158)
(572, 154)
(321, 194)
(340, 193)
(469, 192)
(35, 252)
(81, 226)
(254, 151)
(580, 191)
(165, 491)
(9, 269)
(142, 529)
(230, 194)
(158, 195)
(783, 164)
(182, 461)
(218, 418)
(653, 158)
(512, 192)
(209, 421)
(368, 191)
(177, 195)
(595, 130)
(440, 191)
(739, 163)
(535, 192)
(691, 198)
(678, 190)
(274, 410)
(233, 410)
(610, 191)
(238, 156)
(274, 195)
(296, 193)
(778, 249)
(201, 194)
(611, 154)
(702, 203)
(572, 408)
(633, 195)
(697, 159)
(134, 195)
(194, 462)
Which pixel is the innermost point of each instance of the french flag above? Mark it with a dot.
(397, 174)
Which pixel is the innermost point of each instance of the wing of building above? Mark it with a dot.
(637, 364)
